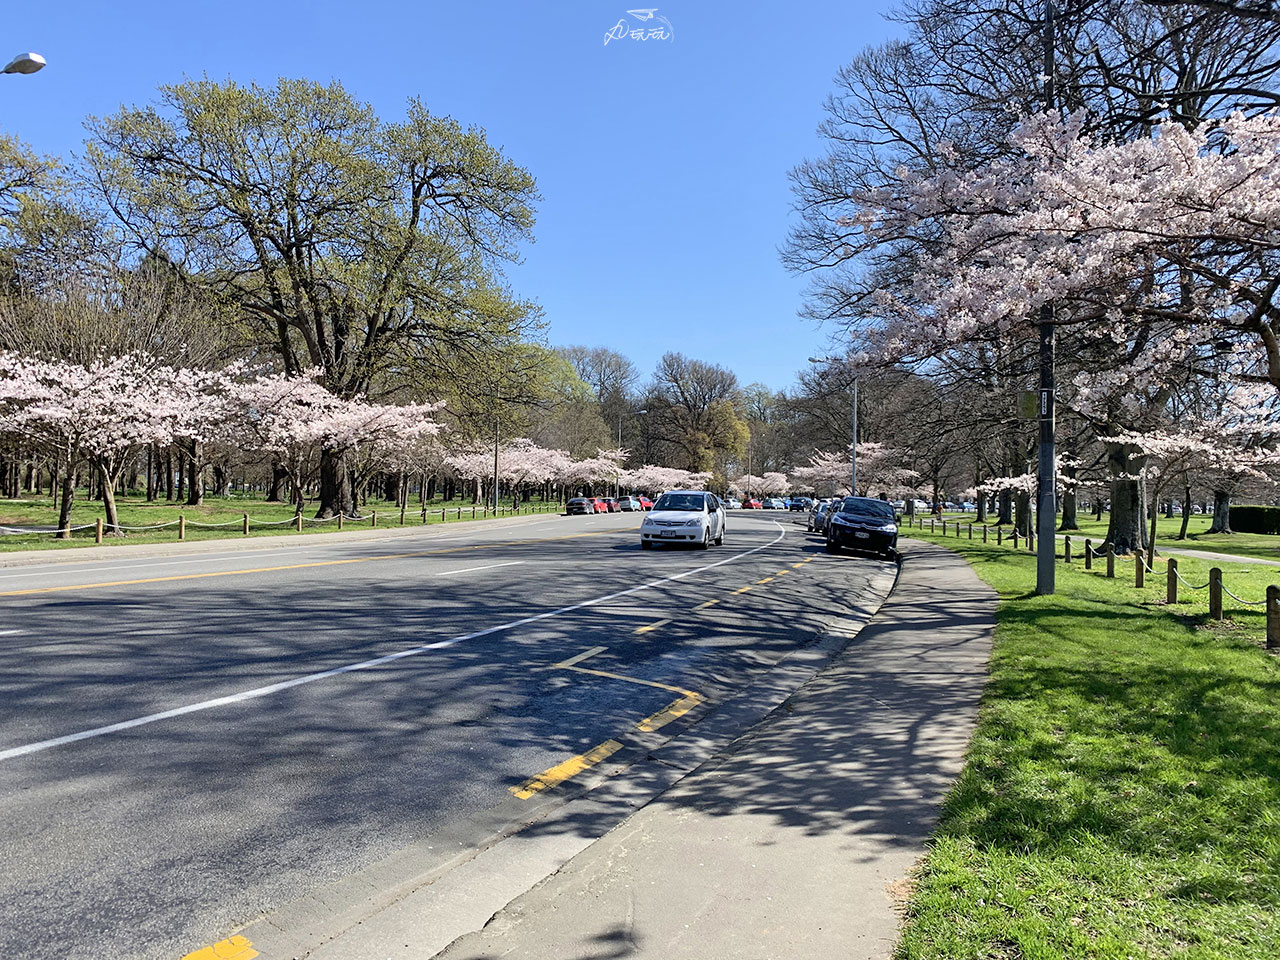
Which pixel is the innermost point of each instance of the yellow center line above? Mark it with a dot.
(799, 563)
(299, 566)
(709, 603)
(742, 590)
(652, 626)
(765, 580)
(782, 573)
(644, 683)
(564, 771)
(236, 948)
(672, 711)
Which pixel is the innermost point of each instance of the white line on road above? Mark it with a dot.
(5, 633)
(257, 692)
(490, 566)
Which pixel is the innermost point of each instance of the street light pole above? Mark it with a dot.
(1046, 549)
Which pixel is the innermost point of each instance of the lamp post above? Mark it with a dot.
(24, 63)
(853, 457)
(617, 484)
(1046, 504)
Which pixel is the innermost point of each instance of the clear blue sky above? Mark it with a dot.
(662, 164)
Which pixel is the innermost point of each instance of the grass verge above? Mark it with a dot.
(1121, 797)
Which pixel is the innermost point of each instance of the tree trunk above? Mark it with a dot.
(1186, 511)
(68, 498)
(1022, 513)
(279, 474)
(335, 485)
(1097, 507)
(151, 473)
(1221, 512)
(221, 481)
(1125, 531)
(1006, 508)
(112, 519)
(195, 483)
(1069, 521)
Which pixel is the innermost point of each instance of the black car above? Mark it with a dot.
(800, 503)
(580, 505)
(863, 524)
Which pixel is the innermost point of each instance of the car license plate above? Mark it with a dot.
(861, 533)
(667, 533)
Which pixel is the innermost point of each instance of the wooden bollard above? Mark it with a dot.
(442, 513)
(971, 531)
(1111, 561)
(1215, 593)
(97, 530)
(182, 527)
(1139, 569)
(984, 533)
(245, 525)
(1014, 539)
(473, 513)
(297, 522)
(1066, 549)
(1171, 581)
(1088, 553)
(459, 513)
(339, 519)
(1273, 618)
(931, 522)
(999, 536)
(373, 518)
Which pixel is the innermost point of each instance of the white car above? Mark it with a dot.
(732, 503)
(684, 516)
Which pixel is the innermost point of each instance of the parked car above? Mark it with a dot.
(817, 521)
(611, 505)
(645, 503)
(692, 517)
(865, 525)
(629, 504)
(732, 503)
(599, 504)
(751, 503)
(580, 505)
(800, 503)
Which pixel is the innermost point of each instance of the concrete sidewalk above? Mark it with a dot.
(796, 842)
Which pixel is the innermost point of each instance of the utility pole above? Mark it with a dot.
(1046, 504)
(854, 449)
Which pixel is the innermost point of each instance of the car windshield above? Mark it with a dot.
(680, 501)
(865, 507)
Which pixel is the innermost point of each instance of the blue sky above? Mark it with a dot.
(662, 163)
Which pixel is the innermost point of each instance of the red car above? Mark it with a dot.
(600, 505)
(751, 504)
(645, 503)
(611, 505)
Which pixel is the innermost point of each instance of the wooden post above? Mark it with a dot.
(931, 522)
(971, 531)
(1273, 618)
(984, 533)
(373, 518)
(297, 521)
(1139, 569)
(1088, 553)
(339, 519)
(245, 525)
(97, 530)
(999, 536)
(182, 527)
(1066, 549)
(402, 506)
(1111, 561)
(473, 512)
(1171, 586)
(1014, 541)
(442, 512)
(1215, 593)
(460, 512)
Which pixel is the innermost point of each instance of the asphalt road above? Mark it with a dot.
(188, 742)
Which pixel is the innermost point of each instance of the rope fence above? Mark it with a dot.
(1141, 568)
(245, 522)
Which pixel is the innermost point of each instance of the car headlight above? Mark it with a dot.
(648, 522)
(693, 523)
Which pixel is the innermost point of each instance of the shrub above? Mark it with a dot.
(1254, 519)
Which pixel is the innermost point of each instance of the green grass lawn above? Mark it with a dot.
(1122, 793)
(1260, 545)
(227, 513)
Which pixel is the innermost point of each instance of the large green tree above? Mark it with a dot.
(368, 250)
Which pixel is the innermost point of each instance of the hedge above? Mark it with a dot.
(1253, 519)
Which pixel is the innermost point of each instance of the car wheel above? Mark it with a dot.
(720, 538)
(706, 538)
(831, 547)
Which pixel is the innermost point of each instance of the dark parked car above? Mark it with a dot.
(799, 503)
(580, 505)
(863, 524)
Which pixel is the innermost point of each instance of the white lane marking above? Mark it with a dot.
(490, 566)
(256, 692)
(5, 633)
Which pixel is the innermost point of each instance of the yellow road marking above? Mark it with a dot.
(742, 590)
(301, 566)
(709, 603)
(781, 573)
(236, 948)
(765, 580)
(800, 563)
(644, 683)
(563, 771)
(579, 658)
(652, 626)
(672, 711)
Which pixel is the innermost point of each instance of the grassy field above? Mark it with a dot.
(224, 515)
(1122, 793)
(1260, 545)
